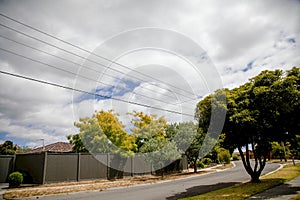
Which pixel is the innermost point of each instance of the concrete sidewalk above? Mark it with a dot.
(3, 188)
(284, 191)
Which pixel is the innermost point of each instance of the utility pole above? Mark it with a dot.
(43, 144)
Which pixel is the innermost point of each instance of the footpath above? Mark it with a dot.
(285, 191)
(3, 188)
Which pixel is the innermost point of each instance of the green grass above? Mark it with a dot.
(245, 190)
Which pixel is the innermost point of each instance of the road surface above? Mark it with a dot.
(169, 190)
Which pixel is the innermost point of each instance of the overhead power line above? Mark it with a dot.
(83, 66)
(92, 53)
(79, 75)
(91, 93)
(77, 55)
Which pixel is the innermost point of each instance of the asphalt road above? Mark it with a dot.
(174, 189)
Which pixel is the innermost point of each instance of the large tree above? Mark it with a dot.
(104, 132)
(261, 111)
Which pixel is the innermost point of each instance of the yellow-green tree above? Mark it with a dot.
(152, 141)
(104, 132)
(148, 128)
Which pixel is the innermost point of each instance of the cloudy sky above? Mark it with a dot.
(166, 55)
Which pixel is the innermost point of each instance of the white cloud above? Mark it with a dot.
(241, 38)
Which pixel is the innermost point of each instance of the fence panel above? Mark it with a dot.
(61, 167)
(44, 167)
(92, 168)
(6, 166)
(32, 165)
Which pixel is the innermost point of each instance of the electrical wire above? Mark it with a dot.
(84, 66)
(90, 93)
(77, 55)
(90, 52)
(79, 75)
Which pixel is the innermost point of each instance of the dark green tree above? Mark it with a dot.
(78, 146)
(261, 111)
(7, 148)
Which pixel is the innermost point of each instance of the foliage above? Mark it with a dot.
(77, 144)
(200, 164)
(235, 157)
(103, 132)
(7, 148)
(277, 150)
(206, 161)
(188, 139)
(261, 111)
(210, 113)
(223, 155)
(295, 146)
(151, 139)
(15, 179)
(193, 151)
(20, 150)
(146, 128)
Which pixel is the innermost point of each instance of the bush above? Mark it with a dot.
(200, 164)
(206, 161)
(223, 155)
(15, 179)
(235, 157)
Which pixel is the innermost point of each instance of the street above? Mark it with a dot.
(173, 189)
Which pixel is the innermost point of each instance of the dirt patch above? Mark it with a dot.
(68, 187)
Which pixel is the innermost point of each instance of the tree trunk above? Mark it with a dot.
(255, 177)
(293, 159)
(255, 174)
(284, 153)
(195, 166)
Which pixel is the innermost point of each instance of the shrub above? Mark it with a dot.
(200, 164)
(235, 157)
(15, 179)
(206, 161)
(223, 155)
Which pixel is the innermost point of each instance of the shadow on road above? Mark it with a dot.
(201, 189)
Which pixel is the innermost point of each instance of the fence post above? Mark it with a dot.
(132, 166)
(78, 166)
(14, 163)
(107, 165)
(45, 167)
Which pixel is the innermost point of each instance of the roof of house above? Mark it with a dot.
(55, 147)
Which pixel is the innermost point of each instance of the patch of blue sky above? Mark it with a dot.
(248, 67)
(107, 92)
(291, 40)
(202, 57)
(4, 137)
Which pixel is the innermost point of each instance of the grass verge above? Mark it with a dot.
(245, 190)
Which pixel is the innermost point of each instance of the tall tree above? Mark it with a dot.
(261, 111)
